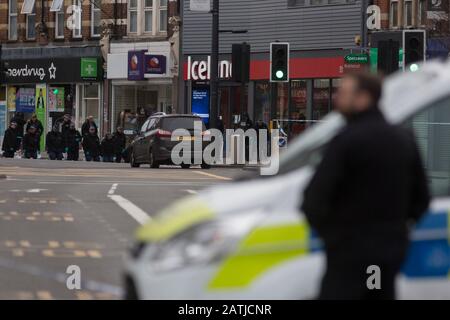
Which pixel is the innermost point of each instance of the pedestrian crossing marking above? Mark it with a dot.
(18, 252)
(94, 254)
(3, 201)
(10, 244)
(28, 200)
(84, 295)
(31, 218)
(53, 244)
(69, 244)
(44, 295)
(48, 253)
(37, 216)
(25, 243)
(79, 253)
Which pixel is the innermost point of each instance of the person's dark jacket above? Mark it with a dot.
(37, 124)
(30, 142)
(73, 139)
(10, 142)
(54, 142)
(19, 119)
(120, 142)
(107, 147)
(91, 145)
(369, 184)
(65, 127)
(85, 127)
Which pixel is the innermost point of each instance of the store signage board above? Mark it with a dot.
(200, 5)
(361, 58)
(2, 119)
(41, 106)
(136, 63)
(200, 103)
(53, 70)
(89, 68)
(155, 64)
(25, 100)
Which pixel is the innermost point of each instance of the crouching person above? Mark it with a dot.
(108, 148)
(91, 145)
(54, 144)
(73, 141)
(31, 143)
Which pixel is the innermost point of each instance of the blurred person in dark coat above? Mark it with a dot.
(368, 190)
(10, 142)
(120, 142)
(30, 143)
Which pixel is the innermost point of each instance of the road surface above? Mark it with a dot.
(55, 214)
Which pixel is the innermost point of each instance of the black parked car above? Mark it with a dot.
(153, 144)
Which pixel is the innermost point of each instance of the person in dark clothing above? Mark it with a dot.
(260, 125)
(368, 188)
(19, 118)
(30, 143)
(108, 148)
(91, 146)
(10, 143)
(54, 144)
(34, 121)
(87, 125)
(65, 126)
(72, 143)
(120, 142)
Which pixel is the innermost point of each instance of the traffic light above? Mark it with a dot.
(388, 56)
(241, 62)
(279, 62)
(413, 48)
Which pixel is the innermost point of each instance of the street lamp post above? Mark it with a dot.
(214, 79)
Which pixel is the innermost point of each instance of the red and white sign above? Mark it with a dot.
(201, 70)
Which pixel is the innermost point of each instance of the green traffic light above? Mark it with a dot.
(414, 67)
(55, 91)
(279, 74)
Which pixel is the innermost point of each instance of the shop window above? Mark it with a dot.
(393, 14)
(12, 23)
(96, 18)
(335, 84)
(162, 15)
(91, 102)
(77, 19)
(59, 23)
(298, 107)
(31, 23)
(262, 101)
(321, 98)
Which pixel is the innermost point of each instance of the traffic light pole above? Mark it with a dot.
(214, 80)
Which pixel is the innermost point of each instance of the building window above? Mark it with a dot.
(162, 15)
(133, 16)
(393, 18)
(422, 12)
(298, 110)
(407, 9)
(148, 16)
(96, 18)
(59, 23)
(31, 24)
(57, 5)
(77, 19)
(12, 35)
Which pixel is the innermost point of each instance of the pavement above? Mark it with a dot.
(56, 214)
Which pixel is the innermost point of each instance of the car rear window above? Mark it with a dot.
(171, 124)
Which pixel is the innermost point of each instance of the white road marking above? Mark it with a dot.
(212, 175)
(134, 211)
(191, 191)
(113, 188)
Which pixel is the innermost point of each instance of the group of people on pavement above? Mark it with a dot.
(63, 141)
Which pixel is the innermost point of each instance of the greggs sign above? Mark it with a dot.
(201, 70)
